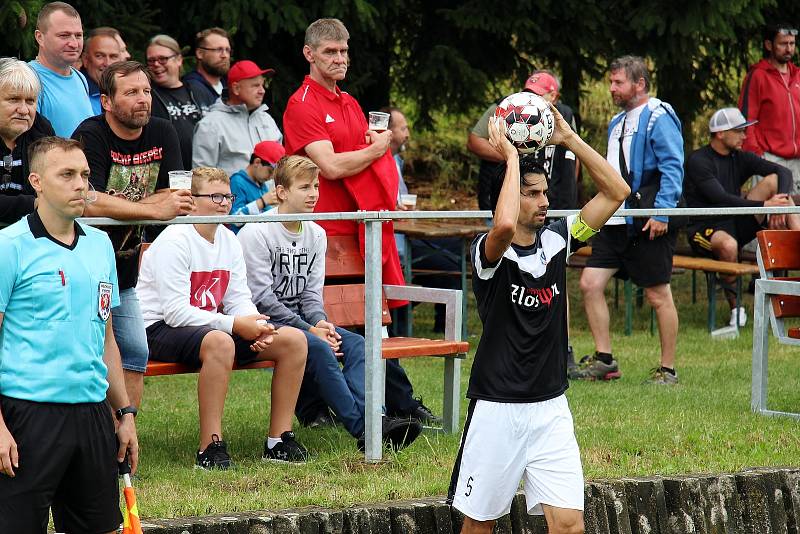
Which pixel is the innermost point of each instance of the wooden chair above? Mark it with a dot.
(777, 298)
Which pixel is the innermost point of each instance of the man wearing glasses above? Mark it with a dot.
(227, 134)
(771, 96)
(130, 155)
(213, 53)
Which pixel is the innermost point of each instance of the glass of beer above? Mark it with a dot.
(378, 121)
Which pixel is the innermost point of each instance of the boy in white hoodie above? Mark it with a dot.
(188, 275)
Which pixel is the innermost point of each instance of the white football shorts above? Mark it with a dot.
(504, 443)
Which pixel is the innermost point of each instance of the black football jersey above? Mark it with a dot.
(522, 303)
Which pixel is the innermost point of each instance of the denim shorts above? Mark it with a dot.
(129, 331)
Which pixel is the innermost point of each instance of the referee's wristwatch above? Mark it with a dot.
(127, 409)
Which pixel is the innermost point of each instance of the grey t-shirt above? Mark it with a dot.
(286, 271)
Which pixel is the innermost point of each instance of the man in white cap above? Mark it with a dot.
(227, 134)
(714, 176)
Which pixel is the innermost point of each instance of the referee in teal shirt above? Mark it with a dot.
(59, 364)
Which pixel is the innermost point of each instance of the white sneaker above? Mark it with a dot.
(742, 313)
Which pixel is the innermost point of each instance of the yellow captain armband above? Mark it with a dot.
(580, 230)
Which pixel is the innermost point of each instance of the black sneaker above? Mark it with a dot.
(215, 456)
(397, 432)
(424, 415)
(287, 451)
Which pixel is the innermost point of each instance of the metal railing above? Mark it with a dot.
(373, 220)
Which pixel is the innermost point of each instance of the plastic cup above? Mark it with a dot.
(180, 179)
(378, 121)
(408, 201)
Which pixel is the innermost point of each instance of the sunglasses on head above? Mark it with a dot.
(787, 31)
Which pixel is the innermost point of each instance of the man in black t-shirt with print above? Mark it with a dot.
(130, 155)
(714, 177)
(518, 423)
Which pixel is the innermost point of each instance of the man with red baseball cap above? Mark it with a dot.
(252, 186)
(227, 134)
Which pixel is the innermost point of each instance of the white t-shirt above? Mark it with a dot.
(184, 279)
(631, 124)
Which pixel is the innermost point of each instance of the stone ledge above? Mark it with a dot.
(756, 501)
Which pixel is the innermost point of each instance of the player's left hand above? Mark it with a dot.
(656, 228)
(562, 130)
(126, 436)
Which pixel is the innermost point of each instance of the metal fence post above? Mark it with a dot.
(374, 365)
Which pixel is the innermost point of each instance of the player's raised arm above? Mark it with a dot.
(611, 188)
(507, 210)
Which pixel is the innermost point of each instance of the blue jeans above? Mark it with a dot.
(340, 388)
(129, 331)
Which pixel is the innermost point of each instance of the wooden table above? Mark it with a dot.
(465, 229)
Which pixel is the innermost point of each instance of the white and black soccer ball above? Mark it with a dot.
(529, 121)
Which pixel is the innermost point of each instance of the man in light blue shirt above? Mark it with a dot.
(252, 186)
(64, 98)
(60, 367)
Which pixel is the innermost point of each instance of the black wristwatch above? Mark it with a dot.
(127, 409)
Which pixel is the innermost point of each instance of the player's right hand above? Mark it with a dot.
(499, 141)
(248, 326)
(562, 128)
(178, 202)
(9, 455)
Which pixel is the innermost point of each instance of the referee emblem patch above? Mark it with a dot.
(104, 300)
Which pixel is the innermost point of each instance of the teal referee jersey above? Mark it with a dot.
(56, 300)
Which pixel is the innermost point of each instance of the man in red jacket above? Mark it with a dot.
(771, 96)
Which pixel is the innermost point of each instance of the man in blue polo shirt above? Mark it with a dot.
(59, 364)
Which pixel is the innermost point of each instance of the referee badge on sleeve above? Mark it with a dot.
(104, 300)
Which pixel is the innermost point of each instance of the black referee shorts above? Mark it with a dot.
(67, 461)
(647, 263)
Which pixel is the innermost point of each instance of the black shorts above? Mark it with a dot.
(742, 228)
(182, 344)
(67, 461)
(647, 263)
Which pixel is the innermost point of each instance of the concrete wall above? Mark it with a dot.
(757, 501)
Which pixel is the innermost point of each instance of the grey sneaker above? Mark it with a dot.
(660, 377)
(591, 368)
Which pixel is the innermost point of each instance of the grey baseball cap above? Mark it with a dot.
(728, 119)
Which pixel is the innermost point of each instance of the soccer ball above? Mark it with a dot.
(529, 121)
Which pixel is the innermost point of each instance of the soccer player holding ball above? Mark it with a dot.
(519, 425)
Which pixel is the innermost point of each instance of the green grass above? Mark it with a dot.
(624, 428)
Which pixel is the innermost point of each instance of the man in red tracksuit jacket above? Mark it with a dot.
(771, 95)
(357, 172)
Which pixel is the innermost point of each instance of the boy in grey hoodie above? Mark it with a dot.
(286, 271)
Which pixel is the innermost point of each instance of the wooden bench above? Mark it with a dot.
(777, 298)
(344, 305)
(713, 269)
